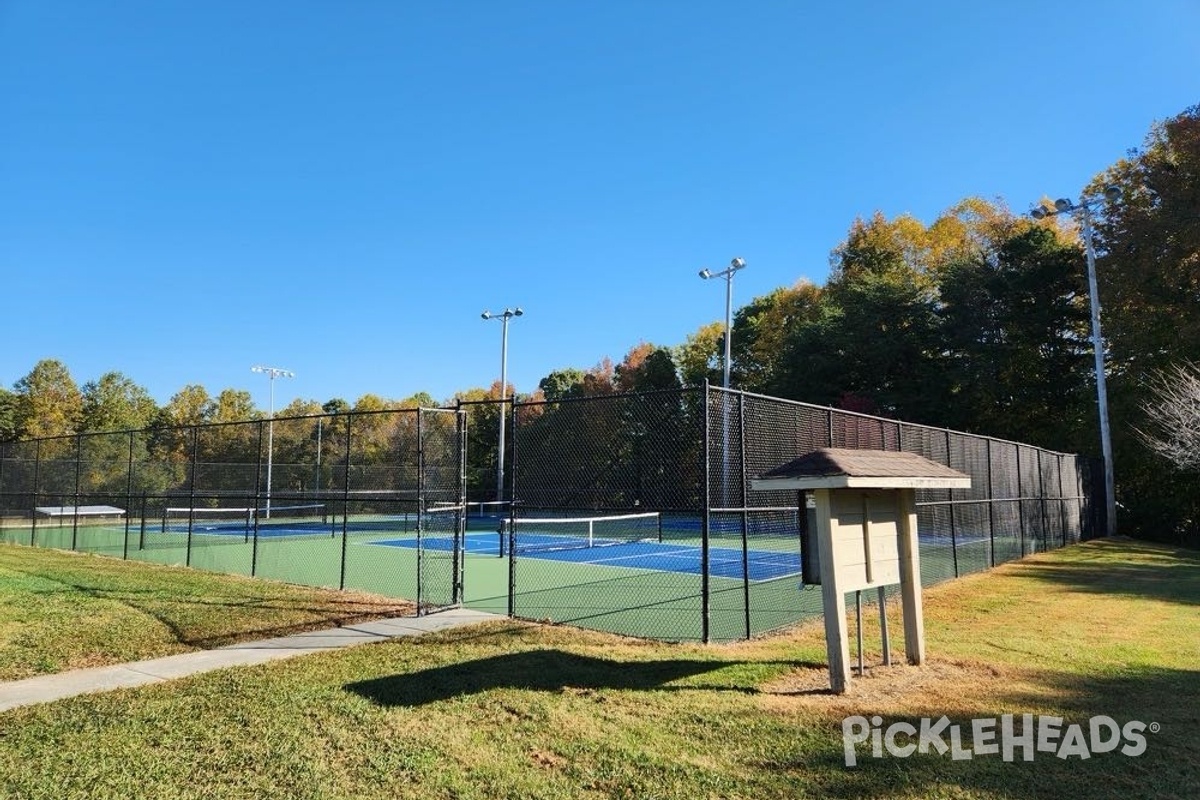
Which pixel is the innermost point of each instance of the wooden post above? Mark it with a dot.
(837, 641)
(910, 579)
(883, 627)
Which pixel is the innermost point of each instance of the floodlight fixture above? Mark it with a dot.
(1083, 212)
(504, 316)
(272, 373)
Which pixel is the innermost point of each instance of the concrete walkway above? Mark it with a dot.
(47, 688)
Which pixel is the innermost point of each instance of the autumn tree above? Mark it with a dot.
(761, 330)
(699, 357)
(646, 367)
(561, 384)
(49, 402)
(1149, 246)
(868, 341)
(1148, 269)
(1014, 325)
(191, 405)
(8, 415)
(114, 402)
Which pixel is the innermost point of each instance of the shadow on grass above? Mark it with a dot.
(1125, 567)
(1165, 700)
(539, 670)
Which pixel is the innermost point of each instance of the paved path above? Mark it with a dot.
(46, 688)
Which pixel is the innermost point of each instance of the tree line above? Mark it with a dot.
(977, 321)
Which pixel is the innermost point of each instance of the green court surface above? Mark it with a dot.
(640, 602)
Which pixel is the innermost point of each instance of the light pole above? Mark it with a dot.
(504, 316)
(1083, 212)
(734, 265)
(727, 274)
(272, 373)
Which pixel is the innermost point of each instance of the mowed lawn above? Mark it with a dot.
(62, 610)
(520, 710)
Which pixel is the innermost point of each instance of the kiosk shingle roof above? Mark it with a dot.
(839, 467)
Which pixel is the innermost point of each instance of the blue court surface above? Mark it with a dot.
(724, 562)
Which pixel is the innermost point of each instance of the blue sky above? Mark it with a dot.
(340, 188)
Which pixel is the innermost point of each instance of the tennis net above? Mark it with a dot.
(222, 519)
(548, 534)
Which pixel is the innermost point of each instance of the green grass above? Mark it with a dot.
(62, 610)
(530, 711)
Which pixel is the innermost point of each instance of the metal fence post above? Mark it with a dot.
(37, 477)
(128, 497)
(1062, 503)
(345, 505)
(460, 519)
(950, 505)
(1042, 496)
(192, 492)
(705, 524)
(75, 499)
(515, 459)
(420, 513)
(745, 511)
(1020, 503)
(991, 506)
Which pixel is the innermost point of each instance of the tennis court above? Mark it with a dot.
(724, 562)
(281, 521)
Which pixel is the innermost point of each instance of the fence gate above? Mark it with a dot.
(442, 495)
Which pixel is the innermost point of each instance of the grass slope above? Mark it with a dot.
(62, 610)
(522, 710)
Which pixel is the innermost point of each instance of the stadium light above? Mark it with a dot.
(504, 316)
(1082, 211)
(272, 373)
(734, 265)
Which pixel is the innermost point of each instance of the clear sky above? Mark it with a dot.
(339, 188)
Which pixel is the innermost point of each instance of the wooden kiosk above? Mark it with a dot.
(866, 534)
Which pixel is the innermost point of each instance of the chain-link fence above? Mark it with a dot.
(627, 512)
(721, 563)
(366, 501)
